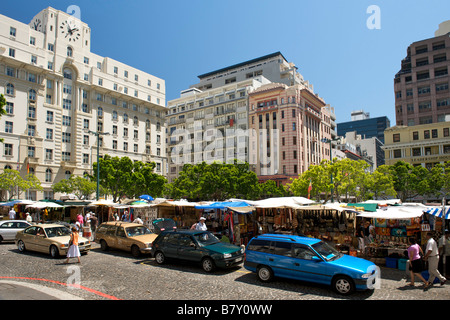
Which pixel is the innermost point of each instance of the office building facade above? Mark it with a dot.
(60, 96)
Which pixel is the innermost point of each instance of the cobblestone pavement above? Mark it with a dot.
(115, 274)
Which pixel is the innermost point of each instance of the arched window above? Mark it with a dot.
(48, 175)
(8, 167)
(67, 174)
(100, 112)
(67, 73)
(32, 95)
(125, 118)
(69, 52)
(10, 89)
(135, 121)
(147, 124)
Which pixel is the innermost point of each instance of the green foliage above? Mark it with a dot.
(121, 177)
(79, 186)
(11, 181)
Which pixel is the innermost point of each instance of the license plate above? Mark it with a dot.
(238, 259)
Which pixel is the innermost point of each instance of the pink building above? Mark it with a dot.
(290, 129)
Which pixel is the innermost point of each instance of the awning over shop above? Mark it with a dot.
(223, 205)
(372, 207)
(405, 211)
(438, 212)
(281, 202)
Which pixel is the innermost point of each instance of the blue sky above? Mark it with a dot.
(351, 66)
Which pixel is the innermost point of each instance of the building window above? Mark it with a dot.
(12, 31)
(10, 89)
(446, 132)
(415, 135)
(48, 175)
(51, 47)
(397, 153)
(48, 154)
(8, 149)
(9, 108)
(8, 127)
(12, 52)
(65, 156)
(33, 59)
(69, 52)
(31, 130)
(426, 134)
(49, 134)
(85, 158)
(67, 121)
(31, 152)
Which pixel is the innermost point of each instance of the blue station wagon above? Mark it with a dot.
(308, 259)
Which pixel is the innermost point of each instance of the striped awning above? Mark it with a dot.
(437, 211)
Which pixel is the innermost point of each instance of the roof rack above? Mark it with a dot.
(281, 236)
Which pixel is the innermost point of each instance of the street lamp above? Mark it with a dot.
(98, 133)
(325, 140)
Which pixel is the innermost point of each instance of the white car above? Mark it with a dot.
(9, 228)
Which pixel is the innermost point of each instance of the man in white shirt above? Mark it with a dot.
(201, 225)
(445, 255)
(432, 255)
(12, 214)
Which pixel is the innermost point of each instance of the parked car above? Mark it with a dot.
(9, 228)
(196, 246)
(308, 259)
(48, 238)
(133, 237)
(162, 224)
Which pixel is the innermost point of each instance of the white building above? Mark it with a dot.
(60, 95)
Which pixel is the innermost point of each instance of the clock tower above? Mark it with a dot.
(61, 28)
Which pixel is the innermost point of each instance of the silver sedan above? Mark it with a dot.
(9, 228)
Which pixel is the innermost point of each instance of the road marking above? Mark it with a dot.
(104, 295)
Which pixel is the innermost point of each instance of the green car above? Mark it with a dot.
(196, 246)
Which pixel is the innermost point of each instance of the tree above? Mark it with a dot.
(410, 181)
(318, 176)
(216, 181)
(121, 177)
(11, 181)
(81, 187)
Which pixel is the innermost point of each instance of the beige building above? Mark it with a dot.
(60, 95)
(421, 87)
(424, 145)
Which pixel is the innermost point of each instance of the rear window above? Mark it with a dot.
(274, 247)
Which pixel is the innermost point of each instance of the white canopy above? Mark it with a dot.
(42, 205)
(281, 202)
(405, 211)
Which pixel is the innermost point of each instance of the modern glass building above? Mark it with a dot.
(367, 128)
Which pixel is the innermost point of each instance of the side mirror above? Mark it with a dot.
(316, 259)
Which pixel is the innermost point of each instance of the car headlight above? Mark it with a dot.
(149, 245)
(366, 275)
(227, 255)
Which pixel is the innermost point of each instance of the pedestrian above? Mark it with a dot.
(360, 236)
(12, 214)
(416, 261)
(28, 218)
(138, 220)
(432, 256)
(94, 222)
(200, 225)
(445, 255)
(74, 250)
(80, 220)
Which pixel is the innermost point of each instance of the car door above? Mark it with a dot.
(7, 230)
(170, 245)
(308, 265)
(16, 226)
(188, 249)
(41, 242)
(29, 238)
(122, 242)
(280, 258)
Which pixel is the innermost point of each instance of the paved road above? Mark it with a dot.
(117, 275)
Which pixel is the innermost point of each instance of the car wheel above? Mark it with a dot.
(160, 258)
(265, 274)
(21, 246)
(135, 251)
(104, 245)
(208, 264)
(54, 253)
(343, 285)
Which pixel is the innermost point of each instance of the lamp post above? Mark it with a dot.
(325, 140)
(98, 133)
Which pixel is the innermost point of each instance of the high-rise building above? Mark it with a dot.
(223, 116)
(364, 125)
(61, 96)
(421, 88)
(290, 129)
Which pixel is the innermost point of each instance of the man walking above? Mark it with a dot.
(432, 256)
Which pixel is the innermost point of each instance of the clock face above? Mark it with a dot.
(37, 24)
(70, 31)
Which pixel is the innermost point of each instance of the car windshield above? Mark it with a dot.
(137, 231)
(205, 239)
(326, 251)
(57, 231)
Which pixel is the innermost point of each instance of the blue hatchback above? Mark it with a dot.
(308, 259)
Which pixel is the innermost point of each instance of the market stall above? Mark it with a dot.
(233, 218)
(393, 225)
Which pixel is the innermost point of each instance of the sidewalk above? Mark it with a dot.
(16, 290)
